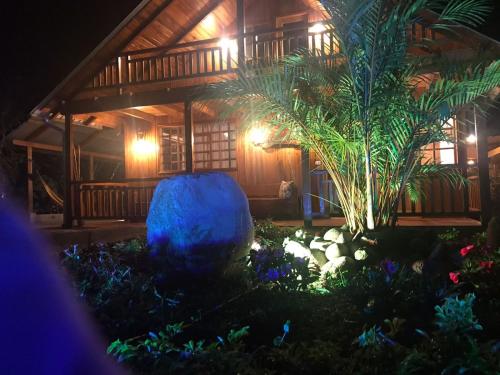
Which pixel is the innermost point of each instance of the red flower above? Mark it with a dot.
(466, 250)
(487, 265)
(454, 277)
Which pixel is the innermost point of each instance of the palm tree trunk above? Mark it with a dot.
(370, 222)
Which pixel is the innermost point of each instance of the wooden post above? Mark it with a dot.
(461, 129)
(188, 134)
(306, 188)
(91, 168)
(240, 24)
(483, 167)
(29, 155)
(68, 171)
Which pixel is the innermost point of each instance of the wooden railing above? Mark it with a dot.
(128, 199)
(437, 198)
(205, 58)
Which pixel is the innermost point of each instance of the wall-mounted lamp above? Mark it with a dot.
(471, 138)
(317, 28)
(258, 136)
(471, 162)
(229, 44)
(142, 146)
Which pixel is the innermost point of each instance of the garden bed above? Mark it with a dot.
(382, 316)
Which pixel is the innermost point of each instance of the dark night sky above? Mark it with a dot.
(44, 40)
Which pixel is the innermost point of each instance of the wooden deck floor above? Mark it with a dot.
(109, 231)
(412, 221)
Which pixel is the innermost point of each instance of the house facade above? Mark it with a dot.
(132, 102)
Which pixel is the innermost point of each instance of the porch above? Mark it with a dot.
(119, 230)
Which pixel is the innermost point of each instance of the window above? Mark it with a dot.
(172, 156)
(214, 145)
(444, 152)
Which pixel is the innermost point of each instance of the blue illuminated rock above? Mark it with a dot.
(198, 223)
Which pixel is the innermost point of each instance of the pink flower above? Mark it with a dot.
(487, 265)
(466, 250)
(454, 277)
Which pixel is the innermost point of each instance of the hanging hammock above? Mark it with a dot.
(51, 192)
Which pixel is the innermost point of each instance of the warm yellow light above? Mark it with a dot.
(317, 28)
(229, 44)
(143, 147)
(471, 162)
(471, 138)
(258, 136)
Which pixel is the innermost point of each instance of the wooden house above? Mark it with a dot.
(131, 102)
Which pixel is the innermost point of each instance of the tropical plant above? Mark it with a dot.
(455, 316)
(368, 110)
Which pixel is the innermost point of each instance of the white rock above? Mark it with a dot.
(331, 234)
(318, 244)
(297, 249)
(300, 234)
(344, 237)
(256, 246)
(360, 254)
(336, 264)
(335, 250)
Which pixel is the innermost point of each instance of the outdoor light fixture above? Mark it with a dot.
(317, 28)
(143, 147)
(258, 136)
(471, 138)
(229, 44)
(471, 162)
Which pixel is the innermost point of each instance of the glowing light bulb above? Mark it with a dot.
(258, 136)
(471, 162)
(143, 147)
(471, 138)
(317, 28)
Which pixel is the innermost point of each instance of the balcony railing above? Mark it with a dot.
(211, 57)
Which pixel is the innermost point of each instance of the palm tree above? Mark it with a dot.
(360, 111)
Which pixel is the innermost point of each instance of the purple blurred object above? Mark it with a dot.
(43, 329)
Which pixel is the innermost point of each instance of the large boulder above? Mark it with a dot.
(198, 222)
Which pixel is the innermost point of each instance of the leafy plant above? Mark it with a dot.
(282, 269)
(278, 340)
(373, 337)
(270, 235)
(456, 315)
(451, 234)
(235, 336)
(362, 111)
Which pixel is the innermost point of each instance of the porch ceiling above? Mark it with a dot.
(93, 139)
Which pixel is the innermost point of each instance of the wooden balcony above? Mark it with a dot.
(212, 57)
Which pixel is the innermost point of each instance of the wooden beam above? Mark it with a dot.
(42, 146)
(240, 24)
(91, 168)
(483, 168)
(306, 188)
(461, 131)
(113, 103)
(145, 22)
(494, 152)
(188, 134)
(68, 171)
(138, 114)
(29, 155)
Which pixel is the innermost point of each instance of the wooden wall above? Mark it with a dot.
(140, 166)
(259, 171)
